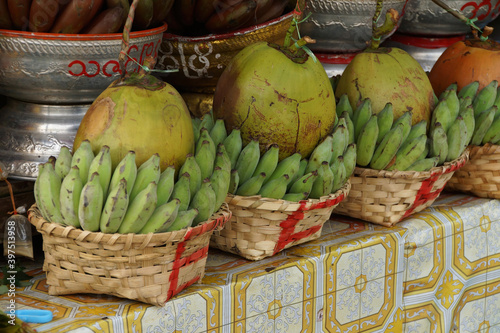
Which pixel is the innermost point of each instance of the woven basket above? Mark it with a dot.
(261, 227)
(481, 175)
(150, 268)
(387, 197)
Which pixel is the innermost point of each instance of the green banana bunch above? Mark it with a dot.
(465, 102)
(456, 135)
(361, 115)
(349, 125)
(82, 158)
(344, 105)
(367, 142)
(233, 144)
(441, 114)
(196, 128)
(207, 121)
(340, 176)
(275, 188)
(140, 210)
(438, 143)
(114, 209)
(184, 219)
(205, 136)
(304, 184)
(69, 198)
(492, 135)
(126, 169)
(268, 162)
(324, 182)
(417, 130)
(205, 159)
(165, 186)
(288, 166)
(485, 98)
(470, 122)
(409, 152)
(220, 180)
(162, 218)
(222, 158)
(482, 124)
(204, 201)
(218, 132)
(62, 164)
(103, 166)
(388, 148)
(406, 120)
(252, 186)
(49, 189)
(469, 90)
(234, 181)
(191, 166)
(424, 164)
(90, 205)
(385, 119)
(340, 139)
(322, 152)
(497, 98)
(248, 160)
(296, 197)
(181, 191)
(450, 97)
(148, 172)
(349, 159)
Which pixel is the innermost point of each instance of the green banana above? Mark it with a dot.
(268, 161)
(191, 166)
(470, 90)
(366, 142)
(340, 176)
(140, 210)
(252, 186)
(196, 128)
(385, 118)
(165, 185)
(49, 189)
(205, 159)
(409, 153)
(349, 126)
(148, 172)
(468, 115)
(184, 219)
(207, 121)
(406, 120)
(485, 98)
(233, 144)
(296, 197)
(452, 101)
(456, 135)
(322, 152)
(497, 98)
(340, 139)
(349, 159)
(323, 183)
(69, 198)
(465, 102)
(344, 105)
(483, 123)
(424, 164)
(234, 181)
(222, 158)
(204, 201)
(302, 170)
(218, 132)
(248, 160)
(361, 115)
(162, 218)
(388, 148)
(220, 180)
(439, 143)
(181, 191)
(275, 188)
(205, 136)
(103, 166)
(82, 158)
(289, 166)
(417, 130)
(90, 205)
(62, 165)
(114, 209)
(304, 183)
(441, 114)
(492, 135)
(127, 169)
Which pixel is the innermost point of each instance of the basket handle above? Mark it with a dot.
(126, 37)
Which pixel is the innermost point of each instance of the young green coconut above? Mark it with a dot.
(277, 94)
(387, 74)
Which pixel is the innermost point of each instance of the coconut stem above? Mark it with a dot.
(301, 42)
(390, 22)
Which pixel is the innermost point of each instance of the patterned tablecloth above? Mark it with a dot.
(438, 271)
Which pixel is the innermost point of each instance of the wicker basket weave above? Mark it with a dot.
(261, 227)
(481, 175)
(387, 197)
(150, 268)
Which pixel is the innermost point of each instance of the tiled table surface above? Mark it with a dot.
(437, 271)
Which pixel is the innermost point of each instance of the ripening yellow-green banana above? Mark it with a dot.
(385, 119)
(126, 169)
(69, 198)
(204, 201)
(184, 219)
(218, 132)
(252, 186)
(102, 164)
(233, 144)
(140, 209)
(248, 160)
(191, 166)
(82, 158)
(148, 172)
(114, 209)
(49, 189)
(163, 217)
(165, 185)
(181, 190)
(90, 205)
(62, 164)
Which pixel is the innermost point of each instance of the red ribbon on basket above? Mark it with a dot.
(287, 234)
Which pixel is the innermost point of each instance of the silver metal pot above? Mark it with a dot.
(425, 18)
(341, 26)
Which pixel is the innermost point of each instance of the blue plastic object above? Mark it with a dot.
(34, 315)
